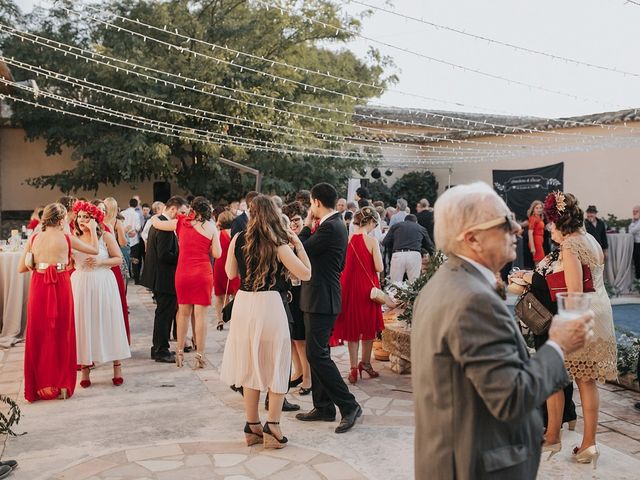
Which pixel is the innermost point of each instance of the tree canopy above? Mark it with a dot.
(108, 154)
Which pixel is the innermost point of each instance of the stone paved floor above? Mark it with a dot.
(169, 423)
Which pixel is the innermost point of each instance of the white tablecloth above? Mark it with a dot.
(619, 264)
(14, 292)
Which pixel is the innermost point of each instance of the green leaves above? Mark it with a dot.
(106, 154)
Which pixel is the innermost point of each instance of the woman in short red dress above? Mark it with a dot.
(361, 318)
(198, 240)
(223, 288)
(50, 347)
(536, 230)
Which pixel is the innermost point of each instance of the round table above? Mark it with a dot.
(14, 293)
(619, 265)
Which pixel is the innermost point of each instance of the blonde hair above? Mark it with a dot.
(112, 210)
(462, 207)
(365, 216)
(533, 206)
(52, 215)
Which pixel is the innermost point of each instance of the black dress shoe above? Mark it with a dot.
(154, 353)
(12, 464)
(637, 406)
(286, 406)
(169, 357)
(5, 471)
(349, 420)
(316, 415)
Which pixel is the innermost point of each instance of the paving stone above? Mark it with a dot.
(237, 470)
(292, 453)
(378, 402)
(299, 472)
(264, 466)
(131, 470)
(191, 473)
(86, 469)
(628, 429)
(619, 442)
(337, 471)
(160, 465)
(199, 460)
(158, 451)
(228, 459)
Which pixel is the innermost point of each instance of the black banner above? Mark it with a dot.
(519, 188)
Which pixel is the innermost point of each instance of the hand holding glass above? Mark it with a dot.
(573, 305)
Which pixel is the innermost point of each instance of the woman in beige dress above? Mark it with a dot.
(596, 362)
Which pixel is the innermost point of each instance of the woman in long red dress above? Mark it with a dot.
(536, 230)
(50, 348)
(116, 230)
(224, 289)
(198, 239)
(361, 318)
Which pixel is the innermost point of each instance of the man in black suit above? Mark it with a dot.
(239, 223)
(320, 302)
(425, 216)
(159, 275)
(596, 227)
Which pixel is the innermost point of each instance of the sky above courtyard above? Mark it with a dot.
(600, 32)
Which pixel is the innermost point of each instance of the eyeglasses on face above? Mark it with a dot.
(296, 220)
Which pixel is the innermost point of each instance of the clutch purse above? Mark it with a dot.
(378, 296)
(226, 311)
(29, 262)
(533, 313)
(557, 283)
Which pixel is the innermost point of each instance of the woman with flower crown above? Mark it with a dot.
(577, 267)
(100, 330)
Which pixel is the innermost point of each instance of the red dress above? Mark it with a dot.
(50, 348)
(360, 317)
(536, 225)
(194, 274)
(219, 275)
(117, 271)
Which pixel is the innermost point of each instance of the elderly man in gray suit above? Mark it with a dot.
(477, 391)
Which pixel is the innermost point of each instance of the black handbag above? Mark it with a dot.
(226, 311)
(533, 313)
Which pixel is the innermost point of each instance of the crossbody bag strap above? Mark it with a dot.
(226, 291)
(362, 265)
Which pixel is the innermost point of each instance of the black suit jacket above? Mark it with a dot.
(160, 261)
(599, 232)
(326, 249)
(239, 224)
(425, 218)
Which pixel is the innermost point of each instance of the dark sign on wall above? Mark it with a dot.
(521, 187)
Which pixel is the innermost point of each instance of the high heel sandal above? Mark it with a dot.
(353, 375)
(198, 361)
(270, 440)
(588, 455)
(179, 358)
(117, 381)
(252, 437)
(367, 368)
(552, 448)
(85, 383)
(572, 424)
(304, 391)
(64, 394)
(295, 382)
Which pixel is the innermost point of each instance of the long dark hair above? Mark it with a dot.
(265, 233)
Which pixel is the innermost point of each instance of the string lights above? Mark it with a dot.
(498, 42)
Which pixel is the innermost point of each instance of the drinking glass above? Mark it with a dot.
(573, 305)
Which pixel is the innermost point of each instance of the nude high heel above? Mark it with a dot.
(589, 455)
(179, 358)
(552, 448)
(198, 361)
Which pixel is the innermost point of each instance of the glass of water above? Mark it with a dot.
(573, 305)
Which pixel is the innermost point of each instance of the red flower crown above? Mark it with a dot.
(554, 206)
(91, 209)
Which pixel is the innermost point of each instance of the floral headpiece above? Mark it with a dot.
(92, 210)
(554, 206)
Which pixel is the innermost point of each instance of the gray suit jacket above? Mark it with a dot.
(477, 392)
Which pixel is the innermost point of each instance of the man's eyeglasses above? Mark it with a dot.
(507, 223)
(296, 220)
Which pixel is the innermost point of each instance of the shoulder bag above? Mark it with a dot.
(533, 313)
(377, 295)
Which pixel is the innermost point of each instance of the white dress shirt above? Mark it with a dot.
(132, 220)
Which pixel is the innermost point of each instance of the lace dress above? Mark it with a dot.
(598, 359)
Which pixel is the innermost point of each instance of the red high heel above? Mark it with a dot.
(85, 383)
(367, 368)
(353, 376)
(117, 381)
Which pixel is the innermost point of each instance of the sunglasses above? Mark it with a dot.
(507, 223)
